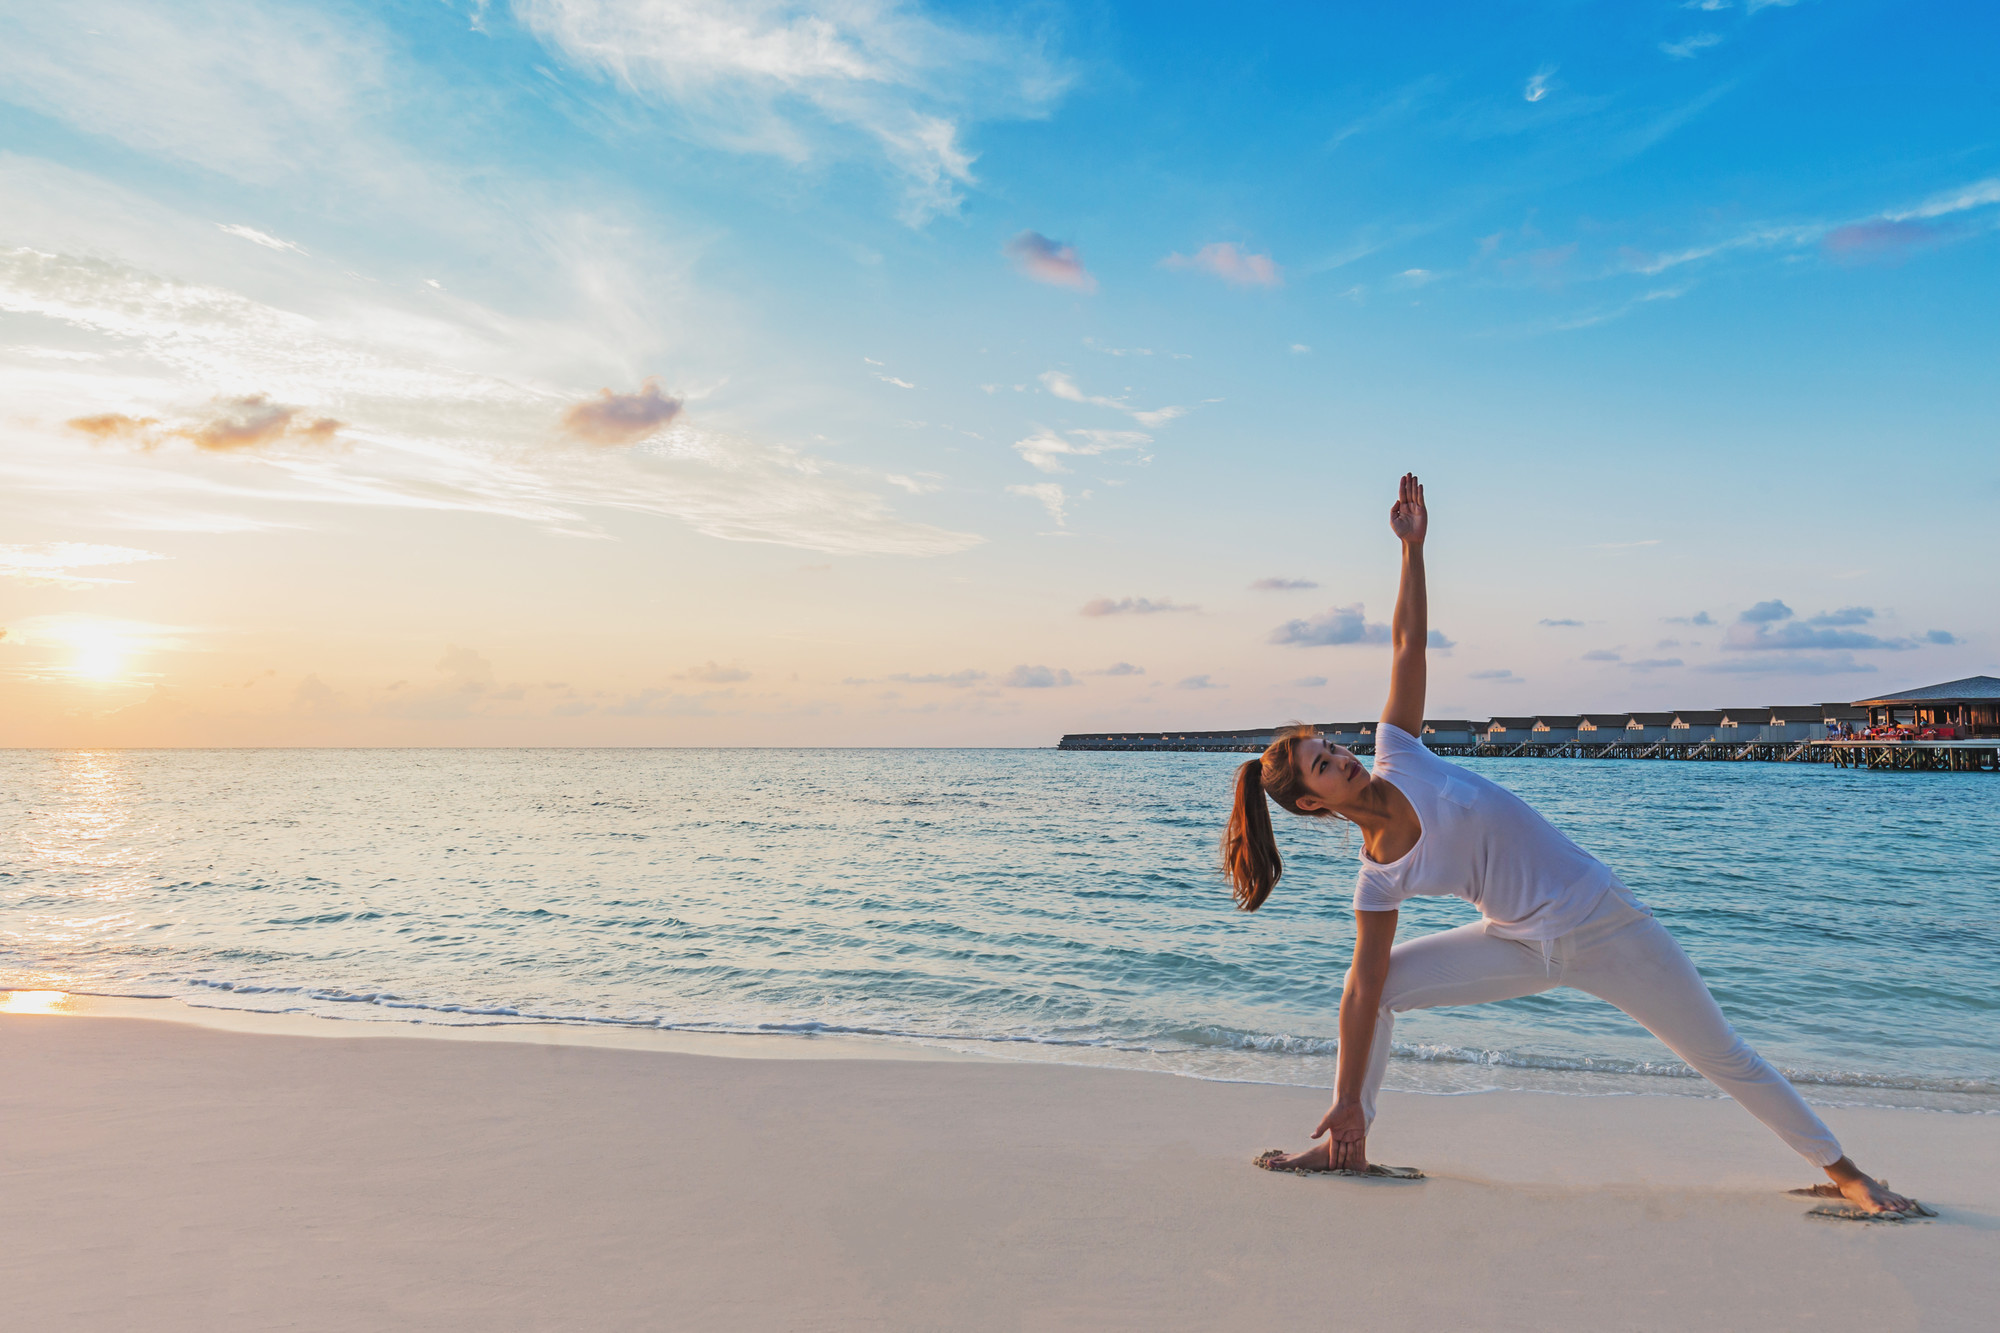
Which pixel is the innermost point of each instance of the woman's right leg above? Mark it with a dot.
(1461, 966)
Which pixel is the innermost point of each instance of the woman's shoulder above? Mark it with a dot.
(1393, 743)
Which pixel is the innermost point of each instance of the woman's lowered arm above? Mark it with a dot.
(1360, 1002)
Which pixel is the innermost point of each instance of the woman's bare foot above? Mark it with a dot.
(1864, 1192)
(1312, 1159)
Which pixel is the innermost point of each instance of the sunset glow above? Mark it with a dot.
(913, 374)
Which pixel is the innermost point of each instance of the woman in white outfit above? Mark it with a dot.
(1552, 914)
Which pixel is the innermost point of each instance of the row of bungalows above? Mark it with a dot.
(1970, 708)
(1437, 731)
(1688, 726)
(1765, 723)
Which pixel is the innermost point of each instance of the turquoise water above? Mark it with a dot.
(1026, 902)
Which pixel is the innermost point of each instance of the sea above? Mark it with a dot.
(1026, 904)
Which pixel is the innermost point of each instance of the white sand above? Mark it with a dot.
(164, 1176)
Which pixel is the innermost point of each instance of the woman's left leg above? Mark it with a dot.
(1635, 964)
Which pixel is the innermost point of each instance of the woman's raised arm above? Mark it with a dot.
(1411, 628)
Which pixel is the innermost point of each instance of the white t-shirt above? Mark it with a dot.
(1482, 843)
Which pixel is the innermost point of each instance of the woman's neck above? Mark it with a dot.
(1370, 810)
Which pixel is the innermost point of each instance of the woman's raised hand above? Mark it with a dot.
(1408, 518)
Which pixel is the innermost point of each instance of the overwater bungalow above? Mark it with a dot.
(1796, 722)
(1648, 726)
(1693, 725)
(1967, 708)
(1349, 734)
(1552, 728)
(1743, 724)
(1602, 728)
(1510, 730)
(1449, 731)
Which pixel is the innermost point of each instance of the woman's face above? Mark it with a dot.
(1333, 776)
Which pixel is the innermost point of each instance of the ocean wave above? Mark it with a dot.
(1167, 1044)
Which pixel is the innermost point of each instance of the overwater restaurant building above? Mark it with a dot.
(1970, 706)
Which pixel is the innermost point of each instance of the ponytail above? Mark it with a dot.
(1249, 849)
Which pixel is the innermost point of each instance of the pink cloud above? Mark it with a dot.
(1225, 261)
(621, 418)
(1050, 261)
(1881, 238)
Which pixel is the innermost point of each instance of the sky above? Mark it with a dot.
(717, 372)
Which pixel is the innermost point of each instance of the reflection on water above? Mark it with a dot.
(82, 801)
(34, 1002)
(74, 830)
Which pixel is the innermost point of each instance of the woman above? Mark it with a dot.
(1552, 914)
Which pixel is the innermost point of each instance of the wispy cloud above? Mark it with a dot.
(775, 79)
(1225, 260)
(714, 674)
(1064, 387)
(1132, 606)
(1883, 238)
(1500, 675)
(1044, 260)
(1045, 449)
(265, 239)
(1333, 627)
(56, 562)
(1282, 585)
(1835, 664)
(1201, 682)
(421, 431)
(1562, 624)
(1538, 84)
(1049, 495)
(1888, 235)
(1687, 47)
(1118, 669)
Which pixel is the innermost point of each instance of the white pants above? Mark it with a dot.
(1621, 954)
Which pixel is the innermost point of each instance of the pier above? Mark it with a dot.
(1953, 727)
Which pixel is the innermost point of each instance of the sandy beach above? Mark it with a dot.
(163, 1175)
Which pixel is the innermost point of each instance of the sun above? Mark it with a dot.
(100, 653)
(99, 662)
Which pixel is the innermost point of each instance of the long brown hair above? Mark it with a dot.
(1249, 848)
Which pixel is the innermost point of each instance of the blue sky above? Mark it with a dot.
(576, 371)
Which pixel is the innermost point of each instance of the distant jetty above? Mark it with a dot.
(1953, 726)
